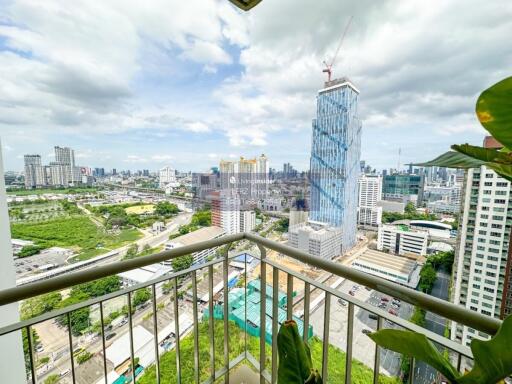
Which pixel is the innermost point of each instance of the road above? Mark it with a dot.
(423, 373)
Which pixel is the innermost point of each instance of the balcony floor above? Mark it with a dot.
(243, 375)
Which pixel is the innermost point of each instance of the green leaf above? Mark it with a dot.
(245, 4)
(494, 110)
(453, 159)
(503, 170)
(416, 345)
(484, 154)
(493, 358)
(294, 357)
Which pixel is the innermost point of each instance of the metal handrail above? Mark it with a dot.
(448, 310)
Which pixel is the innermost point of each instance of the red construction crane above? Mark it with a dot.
(328, 67)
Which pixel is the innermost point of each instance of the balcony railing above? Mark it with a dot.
(266, 368)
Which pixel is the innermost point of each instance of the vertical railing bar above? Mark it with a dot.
(245, 306)
(289, 297)
(226, 316)
(411, 371)
(350, 335)
(31, 354)
(305, 332)
(211, 322)
(275, 315)
(103, 343)
(376, 363)
(196, 326)
(70, 337)
(155, 333)
(130, 325)
(177, 332)
(325, 352)
(459, 362)
(263, 311)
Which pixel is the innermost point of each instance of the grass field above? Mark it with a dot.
(28, 192)
(140, 209)
(78, 233)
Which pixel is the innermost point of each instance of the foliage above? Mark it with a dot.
(494, 111)
(164, 208)
(418, 317)
(389, 217)
(360, 373)
(493, 360)
(294, 357)
(83, 356)
(70, 191)
(38, 305)
(35, 341)
(282, 225)
(141, 296)
(428, 276)
(29, 250)
(131, 252)
(182, 262)
(442, 260)
(199, 219)
(410, 208)
(52, 379)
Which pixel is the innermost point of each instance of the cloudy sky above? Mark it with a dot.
(142, 84)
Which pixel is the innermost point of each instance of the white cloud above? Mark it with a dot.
(197, 127)
(135, 159)
(162, 158)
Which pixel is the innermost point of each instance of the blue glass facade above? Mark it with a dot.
(335, 156)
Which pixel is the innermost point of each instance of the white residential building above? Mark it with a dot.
(167, 175)
(34, 171)
(318, 239)
(202, 234)
(247, 178)
(66, 157)
(402, 240)
(247, 221)
(370, 192)
(482, 269)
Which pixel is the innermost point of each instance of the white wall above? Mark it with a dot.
(12, 362)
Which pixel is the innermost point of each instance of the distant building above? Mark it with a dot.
(167, 176)
(370, 192)
(403, 188)
(247, 221)
(318, 239)
(202, 234)
(402, 240)
(65, 156)
(398, 269)
(247, 178)
(391, 206)
(335, 159)
(34, 171)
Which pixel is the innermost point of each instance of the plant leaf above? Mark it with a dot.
(503, 170)
(416, 345)
(294, 355)
(494, 110)
(493, 358)
(453, 159)
(245, 4)
(484, 154)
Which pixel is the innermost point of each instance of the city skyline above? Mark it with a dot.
(229, 100)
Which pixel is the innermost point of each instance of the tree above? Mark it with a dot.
(38, 305)
(141, 296)
(83, 356)
(29, 250)
(182, 262)
(164, 208)
(132, 252)
(52, 379)
(428, 276)
(410, 208)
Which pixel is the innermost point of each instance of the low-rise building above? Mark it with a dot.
(402, 240)
(202, 234)
(399, 269)
(318, 239)
(247, 221)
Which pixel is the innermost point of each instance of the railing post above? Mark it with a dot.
(155, 333)
(289, 297)
(196, 327)
(211, 322)
(305, 331)
(275, 314)
(325, 352)
(103, 346)
(263, 310)
(31, 355)
(411, 371)
(130, 325)
(177, 331)
(70, 339)
(350, 332)
(226, 315)
(376, 363)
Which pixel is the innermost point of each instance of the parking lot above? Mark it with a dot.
(31, 264)
(363, 347)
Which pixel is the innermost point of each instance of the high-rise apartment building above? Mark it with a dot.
(65, 157)
(483, 260)
(335, 159)
(167, 176)
(247, 178)
(403, 187)
(370, 191)
(34, 171)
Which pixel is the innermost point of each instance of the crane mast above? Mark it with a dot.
(328, 66)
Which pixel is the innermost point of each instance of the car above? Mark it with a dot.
(110, 335)
(355, 287)
(395, 305)
(383, 305)
(366, 331)
(39, 348)
(351, 293)
(384, 298)
(393, 312)
(373, 316)
(64, 373)
(342, 302)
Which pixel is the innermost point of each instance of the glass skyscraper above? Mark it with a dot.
(335, 156)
